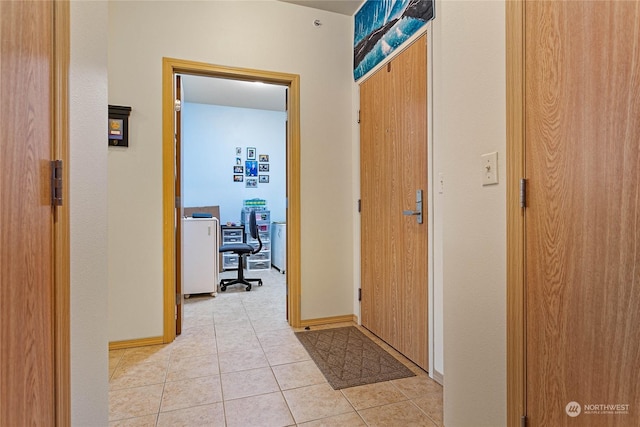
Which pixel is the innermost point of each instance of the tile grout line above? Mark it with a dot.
(215, 330)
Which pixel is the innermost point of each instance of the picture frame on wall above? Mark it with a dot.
(238, 178)
(251, 168)
(238, 151)
(251, 183)
(263, 167)
(238, 161)
(263, 158)
(238, 169)
(264, 179)
(382, 27)
(251, 153)
(118, 125)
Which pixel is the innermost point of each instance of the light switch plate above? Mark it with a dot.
(490, 168)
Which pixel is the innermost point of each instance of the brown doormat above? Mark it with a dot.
(348, 358)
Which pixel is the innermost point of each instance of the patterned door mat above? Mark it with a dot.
(348, 358)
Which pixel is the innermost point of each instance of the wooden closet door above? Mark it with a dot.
(393, 166)
(582, 149)
(27, 374)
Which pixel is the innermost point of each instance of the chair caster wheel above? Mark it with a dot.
(223, 288)
(248, 288)
(260, 283)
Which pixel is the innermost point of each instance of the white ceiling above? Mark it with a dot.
(233, 93)
(260, 96)
(344, 7)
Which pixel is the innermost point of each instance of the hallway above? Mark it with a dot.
(238, 363)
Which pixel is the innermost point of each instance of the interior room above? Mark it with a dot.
(492, 319)
(233, 152)
(225, 124)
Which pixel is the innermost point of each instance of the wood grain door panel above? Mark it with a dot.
(374, 193)
(26, 230)
(583, 217)
(394, 277)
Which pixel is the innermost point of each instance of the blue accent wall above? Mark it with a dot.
(210, 135)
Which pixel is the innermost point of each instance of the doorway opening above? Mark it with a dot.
(172, 68)
(231, 143)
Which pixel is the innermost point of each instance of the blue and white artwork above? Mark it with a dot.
(251, 168)
(381, 26)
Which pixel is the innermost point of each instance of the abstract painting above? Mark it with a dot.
(381, 26)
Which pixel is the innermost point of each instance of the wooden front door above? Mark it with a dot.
(393, 168)
(29, 353)
(582, 220)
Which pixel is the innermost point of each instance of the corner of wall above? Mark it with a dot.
(88, 213)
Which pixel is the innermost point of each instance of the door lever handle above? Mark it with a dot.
(418, 211)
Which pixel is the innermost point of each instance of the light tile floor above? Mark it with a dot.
(238, 363)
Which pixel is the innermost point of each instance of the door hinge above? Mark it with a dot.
(56, 183)
(359, 205)
(358, 116)
(523, 193)
(359, 294)
(177, 202)
(523, 421)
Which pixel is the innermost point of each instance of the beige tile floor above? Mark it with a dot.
(238, 363)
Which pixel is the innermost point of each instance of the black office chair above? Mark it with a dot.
(242, 250)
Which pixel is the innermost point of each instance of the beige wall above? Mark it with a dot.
(263, 35)
(88, 213)
(469, 120)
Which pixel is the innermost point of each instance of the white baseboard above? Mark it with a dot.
(438, 377)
